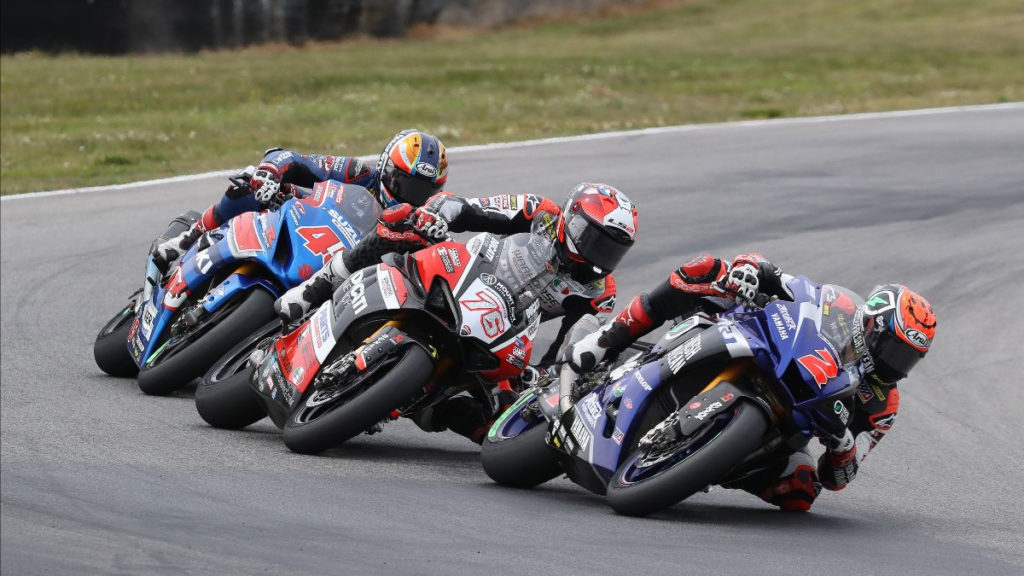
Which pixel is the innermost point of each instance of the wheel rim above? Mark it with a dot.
(240, 360)
(645, 465)
(321, 402)
(175, 344)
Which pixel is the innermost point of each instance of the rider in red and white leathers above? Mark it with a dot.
(596, 229)
(892, 339)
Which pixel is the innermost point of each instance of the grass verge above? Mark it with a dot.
(72, 121)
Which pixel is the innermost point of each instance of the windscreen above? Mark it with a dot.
(528, 261)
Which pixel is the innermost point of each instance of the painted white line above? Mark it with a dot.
(578, 138)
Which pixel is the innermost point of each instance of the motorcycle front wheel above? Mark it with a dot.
(647, 482)
(325, 418)
(516, 453)
(224, 398)
(190, 358)
(111, 346)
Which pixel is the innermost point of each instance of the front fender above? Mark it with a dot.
(233, 285)
(720, 398)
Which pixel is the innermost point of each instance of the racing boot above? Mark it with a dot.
(168, 251)
(315, 290)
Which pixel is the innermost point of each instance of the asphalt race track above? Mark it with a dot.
(100, 479)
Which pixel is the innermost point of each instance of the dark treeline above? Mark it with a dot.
(121, 26)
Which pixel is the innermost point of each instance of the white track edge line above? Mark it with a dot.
(577, 138)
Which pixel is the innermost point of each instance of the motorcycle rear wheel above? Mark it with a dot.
(174, 370)
(224, 398)
(111, 346)
(708, 458)
(348, 419)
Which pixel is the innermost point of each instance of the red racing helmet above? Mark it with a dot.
(596, 228)
(899, 325)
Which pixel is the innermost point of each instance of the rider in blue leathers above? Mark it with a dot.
(412, 167)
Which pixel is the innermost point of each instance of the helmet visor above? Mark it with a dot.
(893, 354)
(415, 190)
(593, 244)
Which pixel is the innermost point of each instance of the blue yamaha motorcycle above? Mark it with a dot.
(224, 287)
(713, 401)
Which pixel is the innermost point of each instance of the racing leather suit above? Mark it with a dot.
(792, 482)
(295, 169)
(502, 214)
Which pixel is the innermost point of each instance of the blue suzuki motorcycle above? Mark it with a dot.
(224, 287)
(713, 401)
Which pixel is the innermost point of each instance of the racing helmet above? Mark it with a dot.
(899, 325)
(596, 227)
(412, 168)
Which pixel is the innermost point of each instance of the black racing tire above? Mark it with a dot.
(521, 461)
(400, 384)
(169, 373)
(224, 398)
(709, 464)
(111, 346)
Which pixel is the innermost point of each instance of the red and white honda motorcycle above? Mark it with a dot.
(396, 338)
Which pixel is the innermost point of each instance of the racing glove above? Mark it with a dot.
(742, 281)
(430, 224)
(266, 186)
(838, 466)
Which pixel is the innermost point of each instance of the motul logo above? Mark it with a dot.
(822, 367)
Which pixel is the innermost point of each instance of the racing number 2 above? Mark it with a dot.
(321, 240)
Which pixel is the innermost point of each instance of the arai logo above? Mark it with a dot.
(426, 169)
(917, 338)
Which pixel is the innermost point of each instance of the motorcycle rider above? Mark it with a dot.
(893, 330)
(595, 229)
(411, 168)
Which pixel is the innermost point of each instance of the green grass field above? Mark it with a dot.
(73, 121)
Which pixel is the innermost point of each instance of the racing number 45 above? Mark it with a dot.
(321, 240)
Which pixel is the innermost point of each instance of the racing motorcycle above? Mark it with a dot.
(712, 402)
(223, 288)
(395, 339)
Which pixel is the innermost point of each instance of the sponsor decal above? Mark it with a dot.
(388, 289)
(790, 323)
(513, 360)
(727, 397)
(840, 409)
(821, 365)
(341, 223)
(466, 330)
(628, 402)
(606, 304)
(708, 411)
(491, 250)
(780, 326)
(488, 279)
(643, 382)
(445, 261)
(694, 405)
(735, 342)
(917, 338)
(617, 436)
(590, 409)
(679, 355)
(581, 434)
(880, 302)
(204, 262)
(357, 292)
(865, 393)
(454, 254)
(427, 169)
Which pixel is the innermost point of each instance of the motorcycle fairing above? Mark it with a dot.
(318, 224)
